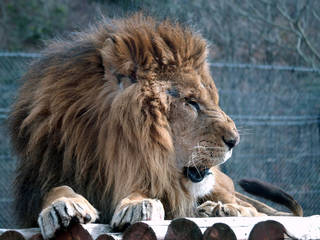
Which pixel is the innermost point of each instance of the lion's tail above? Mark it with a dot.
(270, 192)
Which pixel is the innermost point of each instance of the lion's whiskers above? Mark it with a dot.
(194, 163)
(207, 147)
(201, 154)
(245, 131)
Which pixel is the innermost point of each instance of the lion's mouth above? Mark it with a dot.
(196, 174)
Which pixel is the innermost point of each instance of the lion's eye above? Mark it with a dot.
(194, 104)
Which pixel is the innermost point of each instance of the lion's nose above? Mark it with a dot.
(231, 141)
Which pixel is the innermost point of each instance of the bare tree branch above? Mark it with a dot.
(293, 21)
(263, 19)
(301, 53)
(316, 15)
(307, 41)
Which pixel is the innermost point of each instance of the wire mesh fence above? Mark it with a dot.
(11, 69)
(276, 109)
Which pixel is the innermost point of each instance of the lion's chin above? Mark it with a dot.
(218, 160)
(226, 157)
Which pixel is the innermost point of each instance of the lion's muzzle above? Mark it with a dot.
(231, 141)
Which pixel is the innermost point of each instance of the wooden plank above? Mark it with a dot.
(300, 227)
(95, 230)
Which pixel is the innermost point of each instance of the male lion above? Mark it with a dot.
(124, 117)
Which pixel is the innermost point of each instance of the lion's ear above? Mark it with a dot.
(117, 56)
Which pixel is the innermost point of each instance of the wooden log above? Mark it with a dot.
(183, 229)
(73, 232)
(139, 231)
(37, 236)
(299, 227)
(97, 230)
(269, 230)
(27, 233)
(12, 235)
(105, 237)
(219, 231)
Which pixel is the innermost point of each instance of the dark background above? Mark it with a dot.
(265, 60)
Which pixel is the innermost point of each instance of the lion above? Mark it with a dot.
(122, 123)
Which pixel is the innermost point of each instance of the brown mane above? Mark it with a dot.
(73, 125)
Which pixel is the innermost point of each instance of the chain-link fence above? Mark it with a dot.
(12, 67)
(277, 110)
(278, 114)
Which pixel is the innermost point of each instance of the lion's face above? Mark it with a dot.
(176, 95)
(203, 135)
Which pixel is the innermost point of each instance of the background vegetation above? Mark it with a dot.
(259, 31)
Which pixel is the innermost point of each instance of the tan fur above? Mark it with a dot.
(231, 201)
(111, 113)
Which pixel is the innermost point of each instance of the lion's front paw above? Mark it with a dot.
(217, 209)
(128, 212)
(64, 210)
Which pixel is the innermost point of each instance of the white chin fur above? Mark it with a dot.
(202, 188)
(206, 186)
(226, 156)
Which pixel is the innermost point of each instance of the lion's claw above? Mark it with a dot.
(222, 210)
(217, 209)
(61, 212)
(144, 210)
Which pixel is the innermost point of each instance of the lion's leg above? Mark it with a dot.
(218, 209)
(60, 206)
(261, 207)
(222, 201)
(136, 207)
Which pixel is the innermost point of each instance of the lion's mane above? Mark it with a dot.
(73, 125)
